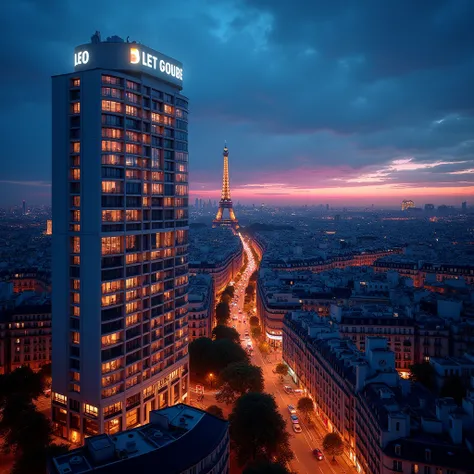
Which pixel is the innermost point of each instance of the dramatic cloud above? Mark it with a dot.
(342, 98)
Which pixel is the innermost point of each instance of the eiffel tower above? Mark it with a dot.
(226, 201)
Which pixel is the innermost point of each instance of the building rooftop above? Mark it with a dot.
(176, 438)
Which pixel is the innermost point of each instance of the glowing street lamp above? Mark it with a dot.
(211, 378)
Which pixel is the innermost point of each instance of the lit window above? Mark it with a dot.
(108, 145)
(111, 366)
(156, 188)
(132, 319)
(110, 300)
(75, 244)
(111, 339)
(76, 201)
(168, 109)
(130, 110)
(133, 149)
(91, 410)
(116, 81)
(111, 216)
(156, 118)
(131, 282)
(112, 133)
(76, 82)
(111, 286)
(112, 160)
(75, 338)
(111, 106)
(57, 397)
(131, 307)
(112, 187)
(112, 245)
(132, 215)
(76, 147)
(76, 174)
(76, 108)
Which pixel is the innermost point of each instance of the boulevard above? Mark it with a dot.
(311, 437)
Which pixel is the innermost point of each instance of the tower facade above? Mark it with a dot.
(225, 202)
(120, 239)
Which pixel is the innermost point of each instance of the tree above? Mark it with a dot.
(225, 332)
(282, 370)
(237, 379)
(208, 356)
(305, 406)
(453, 387)
(216, 411)
(46, 375)
(229, 290)
(266, 467)
(226, 352)
(21, 383)
(333, 445)
(257, 430)
(423, 373)
(23, 429)
(222, 313)
(264, 348)
(256, 332)
(250, 289)
(254, 321)
(200, 356)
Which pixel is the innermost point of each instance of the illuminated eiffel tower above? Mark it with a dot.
(226, 201)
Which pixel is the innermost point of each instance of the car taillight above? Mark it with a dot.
(320, 457)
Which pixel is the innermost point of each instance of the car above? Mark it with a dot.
(297, 428)
(317, 453)
(291, 409)
(294, 419)
(287, 388)
(298, 390)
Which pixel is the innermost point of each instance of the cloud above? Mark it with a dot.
(308, 94)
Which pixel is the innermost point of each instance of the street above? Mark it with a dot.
(310, 438)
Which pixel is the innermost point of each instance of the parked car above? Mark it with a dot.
(291, 409)
(294, 419)
(297, 428)
(286, 388)
(317, 453)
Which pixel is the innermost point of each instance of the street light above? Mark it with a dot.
(211, 377)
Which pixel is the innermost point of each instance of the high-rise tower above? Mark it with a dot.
(226, 201)
(120, 240)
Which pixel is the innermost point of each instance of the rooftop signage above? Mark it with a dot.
(128, 57)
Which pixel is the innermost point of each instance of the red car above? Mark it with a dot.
(318, 454)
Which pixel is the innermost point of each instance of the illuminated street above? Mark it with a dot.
(303, 443)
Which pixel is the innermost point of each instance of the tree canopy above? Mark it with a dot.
(237, 379)
(333, 445)
(206, 355)
(216, 411)
(258, 431)
(254, 321)
(305, 406)
(281, 369)
(225, 332)
(23, 429)
(256, 332)
(264, 348)
(222, 313)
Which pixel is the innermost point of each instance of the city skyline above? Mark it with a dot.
(317, 104)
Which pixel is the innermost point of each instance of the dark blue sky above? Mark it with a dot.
(319, 101)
